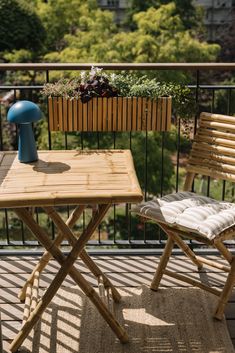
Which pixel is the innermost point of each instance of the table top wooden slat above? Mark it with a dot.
(68, 177)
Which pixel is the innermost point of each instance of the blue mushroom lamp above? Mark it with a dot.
(24, 113)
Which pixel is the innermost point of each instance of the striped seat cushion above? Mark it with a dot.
(192, 212)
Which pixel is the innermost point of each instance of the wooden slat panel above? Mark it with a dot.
(75, 111)
(84, 117)
(80, 115)
(214, 149)
(210, 172)
(217, 117)
(149, 114)
(70, 115)
(213, 152)
(110, 115)
(164, 112)
(55, 112)
(124, 114)
(220, 158)
(218, 126)
(159, 114)
(134, 114)
(100, 114)
(94, 114)
(154, 114)
(50, 111)
(115, 113)
(89, 116)
(215, 133)
(144, 114)
(222, 167)
(60, 124)
(168, 119)
(139, 114)
(104, 115)
(214, 140)
(129, 114)
(120, 107)
(65, 115)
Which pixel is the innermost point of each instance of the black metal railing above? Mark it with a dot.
(170, 149)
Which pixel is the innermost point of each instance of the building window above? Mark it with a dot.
(113, 3)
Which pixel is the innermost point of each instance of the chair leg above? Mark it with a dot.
(226, 292)
(186, 249)
(162, 264)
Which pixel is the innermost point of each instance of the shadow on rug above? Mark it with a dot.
(170, 320)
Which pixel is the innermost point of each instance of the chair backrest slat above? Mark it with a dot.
(213, 149)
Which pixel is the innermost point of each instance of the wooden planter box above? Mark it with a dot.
(110, 114)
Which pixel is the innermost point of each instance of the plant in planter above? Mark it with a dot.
(97, 101)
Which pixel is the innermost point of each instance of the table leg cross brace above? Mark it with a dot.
(66, 268)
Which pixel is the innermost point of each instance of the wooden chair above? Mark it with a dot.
(186, 215)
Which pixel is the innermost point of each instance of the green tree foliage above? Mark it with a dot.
(190, 15)
(91, 40)
(63, 17)
(160, 36)
(20, 27)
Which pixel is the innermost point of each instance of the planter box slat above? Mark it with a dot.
(110, 114)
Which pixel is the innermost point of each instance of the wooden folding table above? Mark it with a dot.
(80, 178)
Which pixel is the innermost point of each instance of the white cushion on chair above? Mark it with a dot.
(193, 212)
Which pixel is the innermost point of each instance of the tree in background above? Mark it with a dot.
(20, 29)
(160, 36)
(90, 38)
(190, 15)
(63, 17)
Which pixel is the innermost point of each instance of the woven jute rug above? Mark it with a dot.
(170, 320)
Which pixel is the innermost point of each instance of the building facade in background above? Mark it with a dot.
(117, 6)
(219, 16)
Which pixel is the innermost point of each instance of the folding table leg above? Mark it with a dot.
(75, 215)
(66, 267)
(83, 255)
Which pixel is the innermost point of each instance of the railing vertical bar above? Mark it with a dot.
(229, 92)
(22, 232)
(197, 99)
(162, 162)
(129, 205)
(212, 110)
(223, 190)
(197, 106)
(178, 121)
(7, 226)
(48, 130)
(145, 178)
(1, 130)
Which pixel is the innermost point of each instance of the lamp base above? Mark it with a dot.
(27, 151)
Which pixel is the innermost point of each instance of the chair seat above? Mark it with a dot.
(190, 211)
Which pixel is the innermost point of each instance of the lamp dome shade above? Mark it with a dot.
(24, 112)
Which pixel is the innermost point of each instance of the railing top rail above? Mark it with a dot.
(117, 66)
